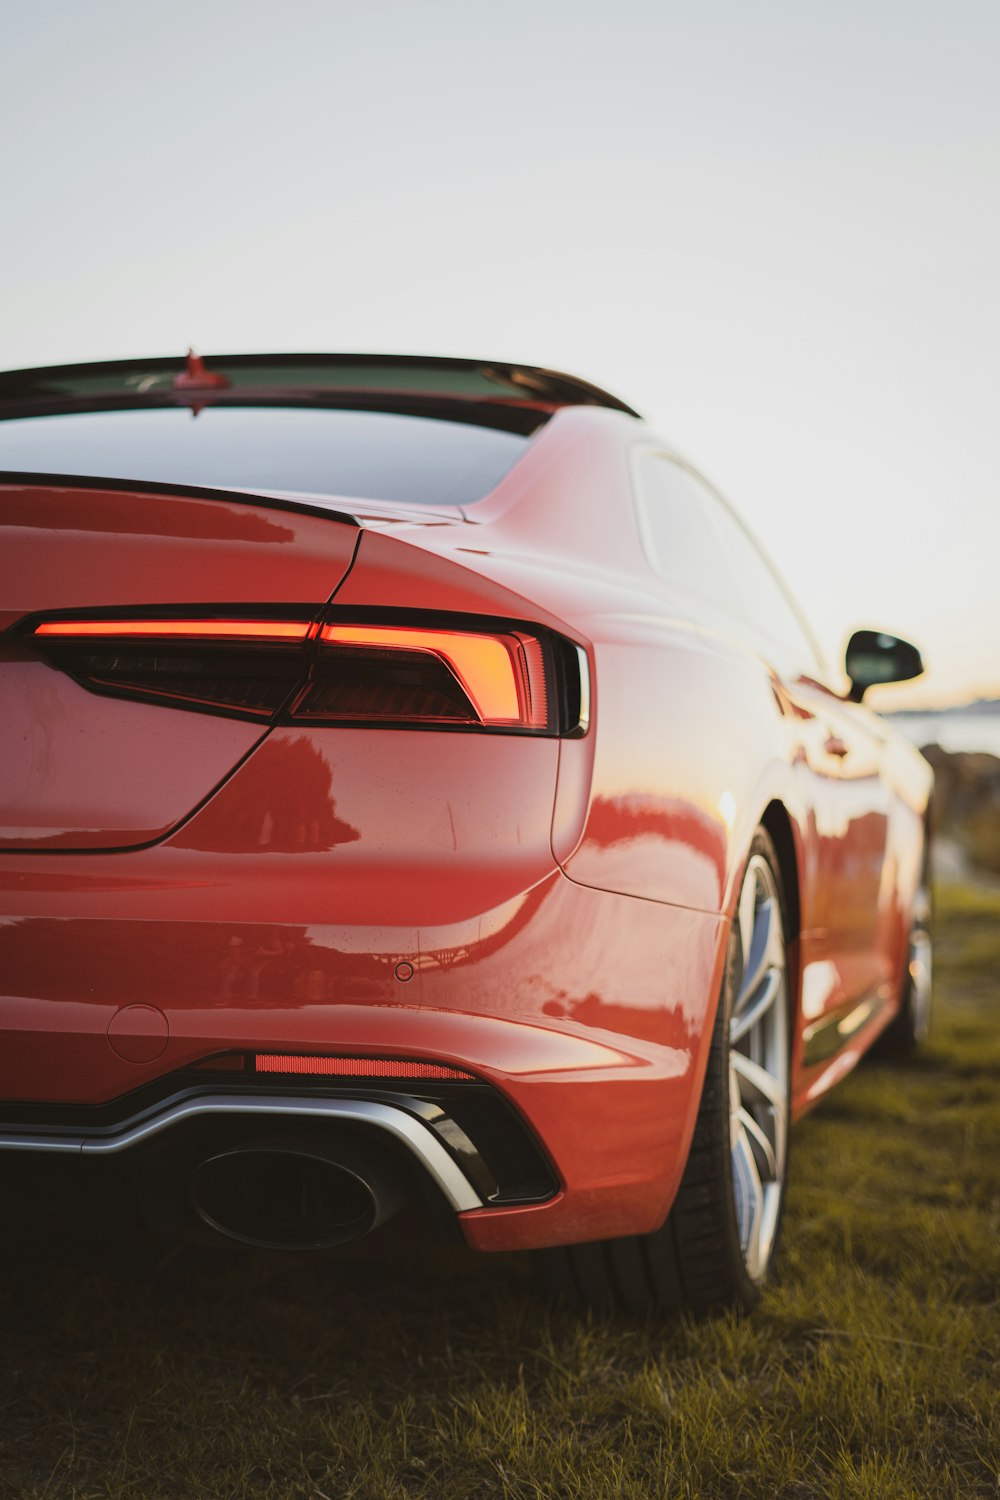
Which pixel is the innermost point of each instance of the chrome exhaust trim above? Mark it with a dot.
(409, 1132)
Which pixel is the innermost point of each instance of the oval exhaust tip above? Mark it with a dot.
(275, 1196)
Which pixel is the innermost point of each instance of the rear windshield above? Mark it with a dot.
(306, 450)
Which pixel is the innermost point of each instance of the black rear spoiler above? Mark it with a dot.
(403, 382)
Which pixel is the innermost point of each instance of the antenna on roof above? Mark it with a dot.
(195, 377)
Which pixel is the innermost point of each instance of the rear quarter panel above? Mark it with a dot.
(696, 735)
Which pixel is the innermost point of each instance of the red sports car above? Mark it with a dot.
(420, 792)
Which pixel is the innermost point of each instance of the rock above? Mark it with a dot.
(967, 803)
(966, 782)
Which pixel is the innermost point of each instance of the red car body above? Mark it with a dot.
(545, 913)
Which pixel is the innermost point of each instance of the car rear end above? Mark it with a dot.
(285, 943)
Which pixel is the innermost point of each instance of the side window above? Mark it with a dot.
(765, 604)
(700, 547)
(686, 547)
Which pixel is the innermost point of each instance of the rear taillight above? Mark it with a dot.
(295, 669)
(464, 676)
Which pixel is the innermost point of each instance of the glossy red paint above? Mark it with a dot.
(562, 903)
(89, 546)
(87, 772)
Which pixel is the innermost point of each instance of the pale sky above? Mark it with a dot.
(772, 228)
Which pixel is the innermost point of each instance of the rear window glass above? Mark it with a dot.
(305, 450)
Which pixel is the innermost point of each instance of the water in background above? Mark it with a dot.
(952, 732)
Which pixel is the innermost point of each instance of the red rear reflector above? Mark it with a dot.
(503, 675)
(232, 630)
(355, 1067)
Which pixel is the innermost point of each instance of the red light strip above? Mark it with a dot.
(355, 1067)
(256, 630)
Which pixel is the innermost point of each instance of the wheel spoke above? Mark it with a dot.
(764, 952)
(756, 1084)
(749, 1194)
(748, 901)
(745, 1019)
(767, 1162)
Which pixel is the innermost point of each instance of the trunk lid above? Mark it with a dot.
(79, 770)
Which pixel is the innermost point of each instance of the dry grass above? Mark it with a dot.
(869, 1371)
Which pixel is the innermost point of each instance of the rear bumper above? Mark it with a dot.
(587, 1011)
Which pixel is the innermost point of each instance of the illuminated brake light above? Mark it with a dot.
(355, 1067)
(373, 675)
(232, 630)
(502, 675)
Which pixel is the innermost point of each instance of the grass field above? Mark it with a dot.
(872, 1369)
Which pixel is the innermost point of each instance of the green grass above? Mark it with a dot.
(870, 1370)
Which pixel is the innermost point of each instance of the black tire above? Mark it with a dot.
(696, 1261)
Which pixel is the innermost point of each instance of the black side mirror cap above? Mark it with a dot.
(874, 657)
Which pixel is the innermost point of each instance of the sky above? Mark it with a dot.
(772, 228)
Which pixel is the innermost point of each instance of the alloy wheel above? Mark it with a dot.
(920, 965)
(758, 1067)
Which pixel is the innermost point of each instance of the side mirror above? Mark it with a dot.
(874, 657)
